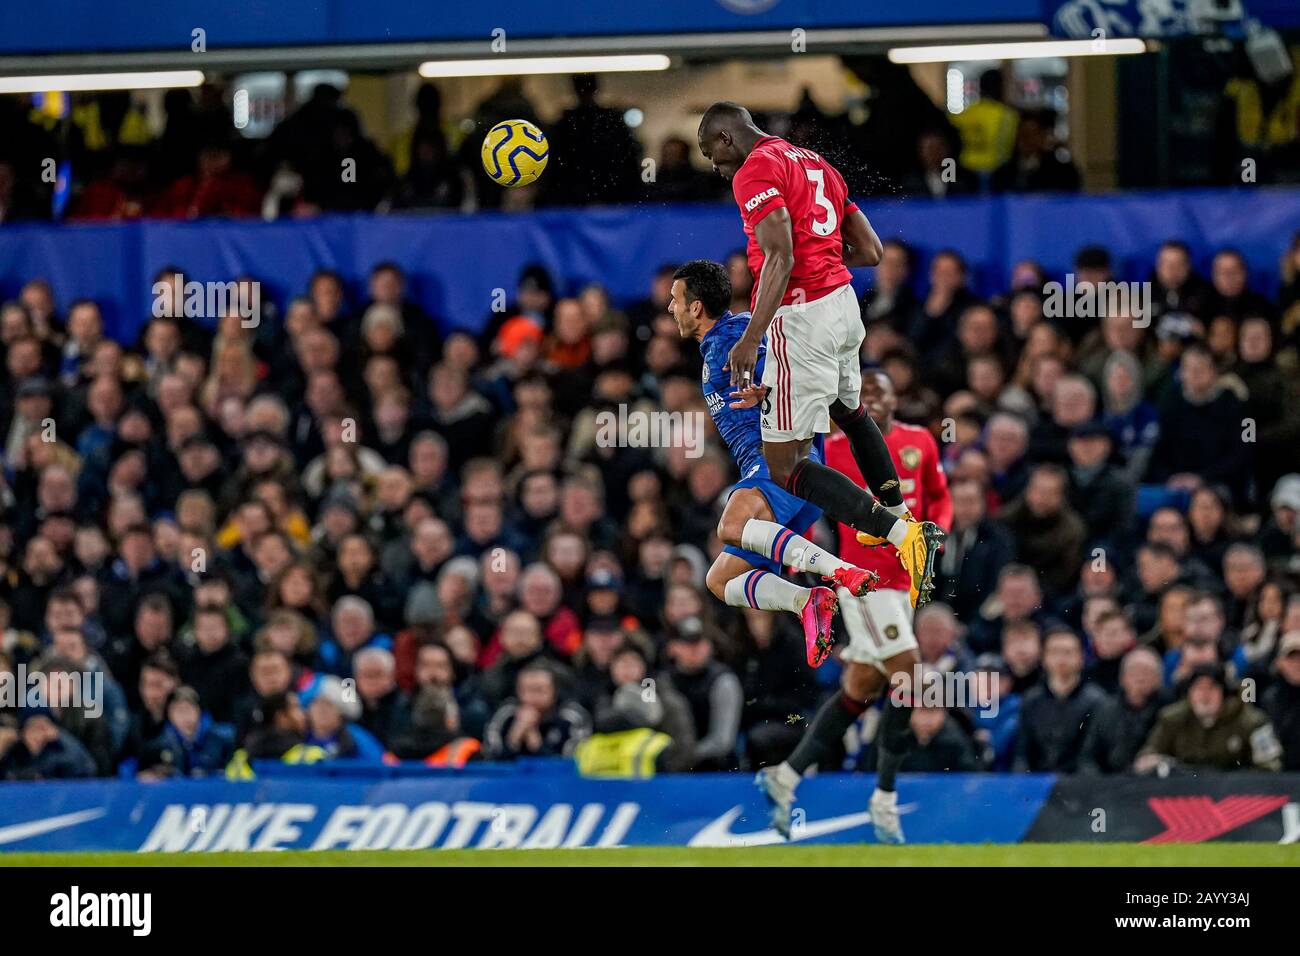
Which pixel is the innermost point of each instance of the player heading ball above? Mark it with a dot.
(803, 236)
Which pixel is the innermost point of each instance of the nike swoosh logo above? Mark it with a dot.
(718, 832)
(25, 831)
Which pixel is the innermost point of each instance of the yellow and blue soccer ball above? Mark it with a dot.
(515, 153)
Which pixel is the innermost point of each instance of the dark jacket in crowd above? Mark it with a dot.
(561, 730)
(1281, 703)
(950, 750)
(220, 678)
(62, 759)
(1052, 729)
(1104, 501)
(1202, 440)
(970, 576)
(387, 718)
(715, 700)
(1117, 732)
(205, 755)
(1052, 544)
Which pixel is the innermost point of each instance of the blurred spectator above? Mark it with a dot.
(215, 668)
(1039, 164)
(988, 127)
(939, 639)
(996, 716)
(1123, 723)
(637, 701)
(1017, 599)
(385, 711)
(332, 726)
(974, 554)
(935, 318)
(711, 690)
(937, 173)
(1098, 492)
(214, 188)
(1055, 715)
(1177, 288)
(890, 298)
(677, 180)
(434, 733)
(1049, 533)
(537, 721)
(428, 171)
(39, 750)
(1201, 428)
(940, 744)
(1281, 701)
(595, 158)
(778, 687)
(1112, 639)
(190, 745)
(1211, 728)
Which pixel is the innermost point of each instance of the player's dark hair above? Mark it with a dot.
(724, 112)
(707, 283)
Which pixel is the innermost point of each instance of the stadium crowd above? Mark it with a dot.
(116, 167)
(335, 533)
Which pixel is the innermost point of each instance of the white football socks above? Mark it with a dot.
(779, 543)
(765, 591)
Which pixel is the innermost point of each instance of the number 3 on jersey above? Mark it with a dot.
(827, 226)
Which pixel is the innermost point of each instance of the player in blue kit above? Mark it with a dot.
(760, 524)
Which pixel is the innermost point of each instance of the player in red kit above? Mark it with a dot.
(921, 480)
(882, 645)
(803, 236)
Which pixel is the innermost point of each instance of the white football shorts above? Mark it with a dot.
(812, 360)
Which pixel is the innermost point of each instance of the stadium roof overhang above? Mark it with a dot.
(408, 55)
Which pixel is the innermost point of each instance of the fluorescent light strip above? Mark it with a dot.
(528, 66)
(1014, 51)
(86, 82)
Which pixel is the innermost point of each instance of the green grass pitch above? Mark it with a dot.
(1032, 854)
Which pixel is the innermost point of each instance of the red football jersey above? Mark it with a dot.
(776, 174)
(925, 492)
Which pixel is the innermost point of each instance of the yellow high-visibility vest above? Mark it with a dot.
(988, 134)
(240, 768)
(1280, 126)
(629, 754)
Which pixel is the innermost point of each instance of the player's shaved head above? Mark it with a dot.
(724, 115)
(727, 134)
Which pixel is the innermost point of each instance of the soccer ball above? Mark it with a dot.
(515, 153)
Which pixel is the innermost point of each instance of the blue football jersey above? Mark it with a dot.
(739, 427)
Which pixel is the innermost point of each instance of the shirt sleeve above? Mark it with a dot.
(757, 189)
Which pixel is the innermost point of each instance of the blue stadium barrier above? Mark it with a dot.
(456, 262)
